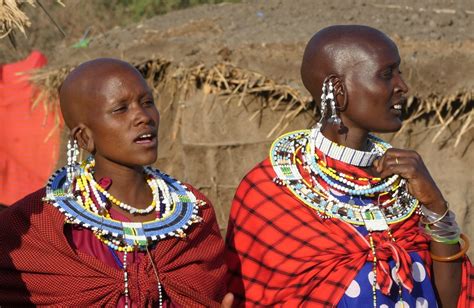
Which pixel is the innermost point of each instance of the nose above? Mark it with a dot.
(142, 115)
(401, 86)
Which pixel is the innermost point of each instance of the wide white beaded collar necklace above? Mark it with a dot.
(347, 155)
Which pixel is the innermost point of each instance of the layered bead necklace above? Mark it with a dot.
(84, 203)
(320, 189)
(295, 149)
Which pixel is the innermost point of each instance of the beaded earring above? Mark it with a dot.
(334, 119)
(324, 105)
(72, 153)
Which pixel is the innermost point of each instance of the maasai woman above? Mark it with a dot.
(110, 231)
(336, 217)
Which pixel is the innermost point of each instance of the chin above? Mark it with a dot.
(143, 159)
(393, 127)
(149, 161)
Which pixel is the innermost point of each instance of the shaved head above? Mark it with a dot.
(336, 50)
(82, 87)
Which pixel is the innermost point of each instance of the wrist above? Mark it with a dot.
(439, 206)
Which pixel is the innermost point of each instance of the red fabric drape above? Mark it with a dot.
(280, 253)
(26, 157)
(37, 265)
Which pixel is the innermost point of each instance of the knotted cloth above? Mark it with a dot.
(281, 253)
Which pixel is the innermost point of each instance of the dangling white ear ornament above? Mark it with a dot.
(334, 119)
(72, 164)
(324, 105)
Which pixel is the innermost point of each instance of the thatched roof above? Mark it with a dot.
(253, 50)
(12, 17)
(239, 84)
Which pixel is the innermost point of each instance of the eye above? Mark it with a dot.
(387, 74)
(149, 102)
(119, 109)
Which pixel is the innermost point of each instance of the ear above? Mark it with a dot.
(340, 93)
(84, 137)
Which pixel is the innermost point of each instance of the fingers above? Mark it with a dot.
(404, 166)
(393, 152)
(397, 161)
(227, 301)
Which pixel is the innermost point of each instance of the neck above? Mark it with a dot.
(128, 183)
(350, 137)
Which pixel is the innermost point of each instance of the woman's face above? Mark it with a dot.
(125, 120)
(375, 89)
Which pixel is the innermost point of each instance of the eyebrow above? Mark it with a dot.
(394, 64)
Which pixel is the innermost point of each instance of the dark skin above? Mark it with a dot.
(112, 105)
(366, 63)
(107, 105)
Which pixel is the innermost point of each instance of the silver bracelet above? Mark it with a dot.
(441, 228)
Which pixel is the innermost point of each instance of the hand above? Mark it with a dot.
(409, 165)
(227, 301)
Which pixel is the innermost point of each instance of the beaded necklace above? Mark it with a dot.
(344, 154)
(285, 156)
(130, 209)
(83, 202)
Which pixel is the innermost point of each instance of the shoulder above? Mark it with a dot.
(259, 193)
(259, 178)
(30, 210)
(262, 173)
(28, 216)
(199, 195)
(207, 211)
(28, 205)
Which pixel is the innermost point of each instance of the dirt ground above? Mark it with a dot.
(217, 144)
(436, 38)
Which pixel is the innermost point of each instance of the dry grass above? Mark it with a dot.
(12, 17)
(241, 86)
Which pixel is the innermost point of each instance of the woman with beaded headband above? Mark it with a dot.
(336, 217)
(111, 231)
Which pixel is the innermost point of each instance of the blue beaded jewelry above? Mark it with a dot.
(127, 236)
(283, 155)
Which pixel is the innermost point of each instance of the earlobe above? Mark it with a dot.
(84, 138)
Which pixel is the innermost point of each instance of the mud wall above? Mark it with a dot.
(212, 143)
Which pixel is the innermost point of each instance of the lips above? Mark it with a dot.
(398, 107)
(145, 138)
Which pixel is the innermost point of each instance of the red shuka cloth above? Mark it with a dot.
(281, 253)
(38, 266)
(84, 240)
(29, 141)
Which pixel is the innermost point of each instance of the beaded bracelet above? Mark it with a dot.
(460, 254)
(430, 214)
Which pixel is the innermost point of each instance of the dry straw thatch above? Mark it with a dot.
(238, 85)
(12, 17)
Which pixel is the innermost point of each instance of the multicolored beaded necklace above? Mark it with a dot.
(83, 202)
(285, 156)
(320, 190)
